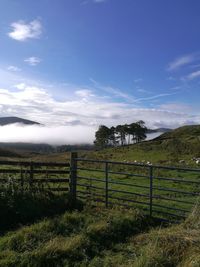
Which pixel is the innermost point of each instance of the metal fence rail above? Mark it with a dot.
(162, 191)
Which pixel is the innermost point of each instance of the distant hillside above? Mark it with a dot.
(159, 130)
(186, 133)
(10, 120)
(27, 147)
(169, 148)
(9, 153)
(30, 149)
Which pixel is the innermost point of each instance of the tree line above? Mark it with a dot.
(120, 135)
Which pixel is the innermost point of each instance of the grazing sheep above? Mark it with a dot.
(149, 163)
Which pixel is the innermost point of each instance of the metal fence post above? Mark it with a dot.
(73, 176)
(151, 190)
(106, 185)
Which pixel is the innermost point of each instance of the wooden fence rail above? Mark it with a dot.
(47, 175)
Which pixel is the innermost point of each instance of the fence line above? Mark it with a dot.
(161, 191)
(169, 192)
(46, 175)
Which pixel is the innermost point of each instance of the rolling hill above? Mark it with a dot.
(187, 133)
(169, 148)
(10, 120)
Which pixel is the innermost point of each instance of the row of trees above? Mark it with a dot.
(121, 134)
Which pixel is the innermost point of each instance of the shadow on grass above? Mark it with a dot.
(22, 208)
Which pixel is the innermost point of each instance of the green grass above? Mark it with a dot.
(168, 149)
(22, 208)
(108, 237)
(73, 239)
(131, 187)
(103, 237)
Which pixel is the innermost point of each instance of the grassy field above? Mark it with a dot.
(55, 235)
(103, 237)
(177, 148)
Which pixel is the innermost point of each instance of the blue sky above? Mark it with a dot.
(90, 62)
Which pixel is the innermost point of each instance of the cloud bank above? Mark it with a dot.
(74, 117)
(57, 135)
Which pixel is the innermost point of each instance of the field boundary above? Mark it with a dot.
(161, 191)
(172, 201)
(33, 176)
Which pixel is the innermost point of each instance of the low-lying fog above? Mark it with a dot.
(56, 135)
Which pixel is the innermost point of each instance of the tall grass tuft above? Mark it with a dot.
(20, 207)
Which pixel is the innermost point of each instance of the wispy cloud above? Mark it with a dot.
(85, 2)
(193, 75)
(195, 66)
(153, 97)
(84, 93)
(13, 68)
(22, 31)
(99, 1)
(33, 61)
(182, 61)
(112, 91)
(130, 99)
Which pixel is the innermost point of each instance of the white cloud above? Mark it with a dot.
(182, 61)
(20, 86)
(79, 111)
(22, 31)
(13, 68)
(32, 61)
(37, 104)
(176, 107)
(193, 75)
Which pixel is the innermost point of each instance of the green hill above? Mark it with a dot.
(186, 133)
(169, 148)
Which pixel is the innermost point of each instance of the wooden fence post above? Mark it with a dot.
(151, 190)
(31, 175)
(106, 181)
(73, 176)
(22, 178)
